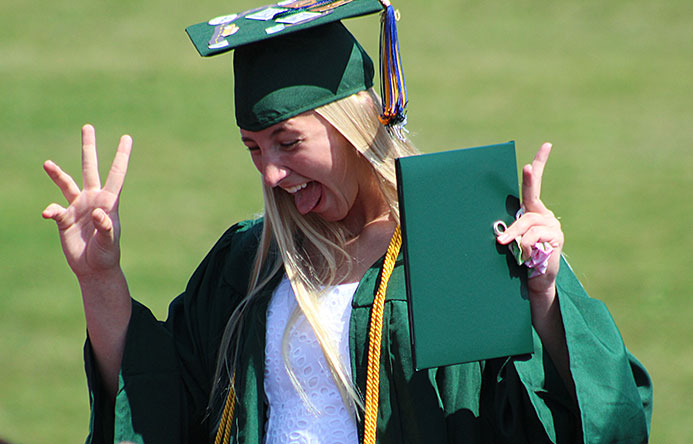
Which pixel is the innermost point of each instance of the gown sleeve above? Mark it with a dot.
(525, 399)
(520, 399)
(168, 367)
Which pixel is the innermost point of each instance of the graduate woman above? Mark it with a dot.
(294, 329)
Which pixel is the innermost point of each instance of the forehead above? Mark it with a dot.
(307, 122)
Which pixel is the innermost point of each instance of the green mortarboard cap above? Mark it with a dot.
(280, 78)
(291, 57)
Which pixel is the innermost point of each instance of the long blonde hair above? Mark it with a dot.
(291, 235)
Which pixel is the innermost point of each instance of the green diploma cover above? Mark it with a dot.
(468, 298)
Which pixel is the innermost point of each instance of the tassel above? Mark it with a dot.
(393, 88)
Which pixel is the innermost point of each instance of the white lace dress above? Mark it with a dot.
(289, 419)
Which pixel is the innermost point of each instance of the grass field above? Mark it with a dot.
(609, 83)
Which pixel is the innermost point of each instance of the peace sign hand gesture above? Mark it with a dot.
(538, 224)
(90, 227)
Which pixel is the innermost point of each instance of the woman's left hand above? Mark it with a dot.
(538, 224)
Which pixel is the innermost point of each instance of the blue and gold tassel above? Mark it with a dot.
(393, 88)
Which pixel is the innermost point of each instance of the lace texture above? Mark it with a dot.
(290, 420)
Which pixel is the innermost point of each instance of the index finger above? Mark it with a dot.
(119, 167)
(531, 180)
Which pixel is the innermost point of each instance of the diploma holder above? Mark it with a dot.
(468, 298)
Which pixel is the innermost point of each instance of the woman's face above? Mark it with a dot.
(308, 158)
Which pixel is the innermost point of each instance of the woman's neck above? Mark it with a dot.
(369, 246)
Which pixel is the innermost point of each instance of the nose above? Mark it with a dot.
(273, 173)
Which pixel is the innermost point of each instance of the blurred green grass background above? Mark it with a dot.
(609, 83)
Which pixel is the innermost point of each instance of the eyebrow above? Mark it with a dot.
(276, 131)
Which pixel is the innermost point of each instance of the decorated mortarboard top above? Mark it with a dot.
(273, 53)
(228, 32)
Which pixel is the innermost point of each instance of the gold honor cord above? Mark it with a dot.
(375, 335)
(224, 430)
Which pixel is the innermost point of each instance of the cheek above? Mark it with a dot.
(257, 161)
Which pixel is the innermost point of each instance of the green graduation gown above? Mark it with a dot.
(168, 368)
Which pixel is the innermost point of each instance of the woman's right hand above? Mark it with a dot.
(90, 227)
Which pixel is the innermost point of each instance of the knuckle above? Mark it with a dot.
(526, 245)
(531, 217)
(535, 230)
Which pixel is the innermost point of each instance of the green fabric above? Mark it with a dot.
(253, 31)
(284, 69)
(490, 313)
(168, 368)
(283, 77)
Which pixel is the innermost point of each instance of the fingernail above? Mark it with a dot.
(503, 238)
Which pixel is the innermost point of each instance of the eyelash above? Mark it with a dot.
(290, 144)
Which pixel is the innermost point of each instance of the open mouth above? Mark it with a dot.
(297, 188)
(306, 196)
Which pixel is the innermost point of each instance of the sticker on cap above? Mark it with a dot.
(265, 14)
(230, 29)
(301, 4)
(329, 6)
(222, 44)
(275, 29)
(222, 31)
(299, 17)
(223, 19)
(313, 5)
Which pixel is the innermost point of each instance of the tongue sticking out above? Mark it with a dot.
(307, 198)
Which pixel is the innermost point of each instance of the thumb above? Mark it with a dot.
(57, 213)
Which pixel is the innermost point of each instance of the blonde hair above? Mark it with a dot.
(292, 235)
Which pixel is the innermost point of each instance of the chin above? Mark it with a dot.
(330, 217)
